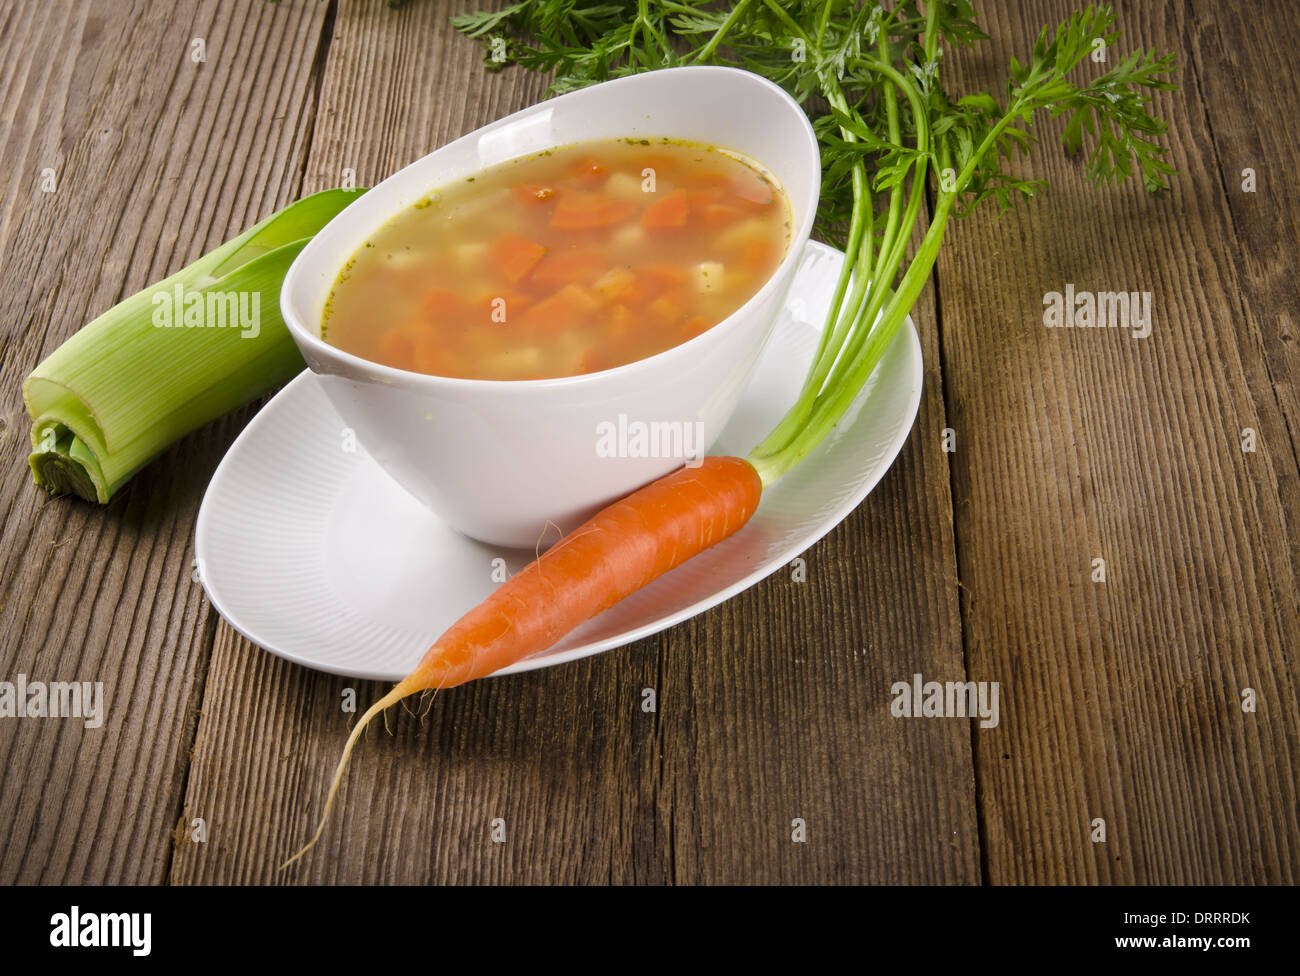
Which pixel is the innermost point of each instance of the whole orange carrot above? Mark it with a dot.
(612, 555)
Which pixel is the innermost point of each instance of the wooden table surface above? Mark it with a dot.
(1120, 700)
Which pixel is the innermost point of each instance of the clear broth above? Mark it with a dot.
(571, 261)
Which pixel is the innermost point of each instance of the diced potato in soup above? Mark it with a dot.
(570, 261)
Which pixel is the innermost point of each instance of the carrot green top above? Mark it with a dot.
(892, 134)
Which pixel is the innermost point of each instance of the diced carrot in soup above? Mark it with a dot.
(579, 259)
(658, 278)
(584, 211)
(669, 308)
(713, 208)
(665, 275)
(432, 355)
(714, 216)
(443, 304)
(667, 213)
(515, 255)
(568, 307)
(635, 293)
(581, 267)
(637, 286)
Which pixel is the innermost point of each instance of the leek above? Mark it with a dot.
(170, 359)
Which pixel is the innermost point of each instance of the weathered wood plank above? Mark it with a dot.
(772, 707)
(1122, 699)
(157, 159)
(1249, 104)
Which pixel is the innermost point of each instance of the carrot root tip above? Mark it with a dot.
(399, 692)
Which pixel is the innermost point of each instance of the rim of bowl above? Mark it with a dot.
(411, 379)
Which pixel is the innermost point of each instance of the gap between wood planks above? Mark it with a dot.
(963, 594)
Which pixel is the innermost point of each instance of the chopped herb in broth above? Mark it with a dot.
(570, 261)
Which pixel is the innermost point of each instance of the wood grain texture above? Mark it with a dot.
(1249, 105)
(158, 159)
(771, 707)
(1122, 699)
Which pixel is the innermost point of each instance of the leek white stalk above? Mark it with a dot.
(157, 366)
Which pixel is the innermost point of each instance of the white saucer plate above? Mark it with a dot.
(314, 553)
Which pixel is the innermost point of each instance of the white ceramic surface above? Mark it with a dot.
(498, 460)
(317, 555)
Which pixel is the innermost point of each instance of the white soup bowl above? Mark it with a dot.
(512, 462)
